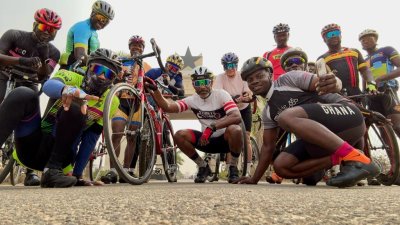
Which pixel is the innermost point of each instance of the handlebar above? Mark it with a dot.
(27, 77)
(75, 66)
(157, 52)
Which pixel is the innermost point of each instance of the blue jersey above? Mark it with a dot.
(176, 80)
(381, 64)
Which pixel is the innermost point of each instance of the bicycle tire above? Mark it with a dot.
(15, 173)
(380, 139)
(255, 154)
(214, 176)
(97, 153)
(169, 151)
(243, 159)
(7, 161)
(145, 136)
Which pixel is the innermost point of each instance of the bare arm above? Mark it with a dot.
(79, 52)
(167, 106)
(232, 117)
(366, 74)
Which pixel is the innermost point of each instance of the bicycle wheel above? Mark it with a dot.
(15, 173)
(214, 161)
(255, 154)
(6, 160)
(169, 151)
(139, 131)
(97, 154)
(243, 159)
(381, 146)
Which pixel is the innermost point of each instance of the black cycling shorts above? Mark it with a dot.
(384, 103)
(246, 116)
(343, 119)
(215, 145)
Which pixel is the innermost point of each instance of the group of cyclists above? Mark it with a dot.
(297, 100)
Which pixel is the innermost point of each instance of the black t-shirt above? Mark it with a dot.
(18, 43)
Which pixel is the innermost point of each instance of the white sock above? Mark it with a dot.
(200, 162)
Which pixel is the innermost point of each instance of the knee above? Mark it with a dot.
(22, 95)
(233, 131)
(181, 135)
(280, 169)
(73, 114)
(285, 120)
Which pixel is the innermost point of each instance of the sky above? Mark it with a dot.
(215, 27)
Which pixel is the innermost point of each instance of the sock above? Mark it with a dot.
(200, 162)
(347, 152)
(234, 160)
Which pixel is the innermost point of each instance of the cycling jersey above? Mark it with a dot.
(209, 110)
(381, 64)
(291, 90)
(18, 43)
(83, 35)
(275, 57)
(346, 64)
(130, 65)
(94, 108)
(233, 85)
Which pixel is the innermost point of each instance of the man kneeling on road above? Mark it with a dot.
(326, 125)
(219, 117)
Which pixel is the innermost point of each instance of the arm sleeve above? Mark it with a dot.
(296, 79)
(360, 59)
(185, 103)
(53, 88)
(6, 42)
(267, 122)
(227, 102)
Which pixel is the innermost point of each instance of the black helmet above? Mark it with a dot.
(293, 52)
(281, 28)
(254, 64)
(92, 84)
(104, 8)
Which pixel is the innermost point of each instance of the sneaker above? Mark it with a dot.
(110, 177)
(82, 182)
(31, 179)
(351, 172)
(130, 173)
(374, 182)
(202, 174)
(233, 174)
(274, 178)
(56, 178)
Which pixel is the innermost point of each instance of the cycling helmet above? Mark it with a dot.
(48, 17)
(368, 32)
(229, 57)
(201, 72)
(103, 8)
(136, 39)
(107, 55)
(329, 27)
(254, 64)
(281, 28)
(176, 59)
(293, 52)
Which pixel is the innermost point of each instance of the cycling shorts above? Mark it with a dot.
(384, 103)
(215, 145)
(123, 112)
(343, 119)
(247, 117)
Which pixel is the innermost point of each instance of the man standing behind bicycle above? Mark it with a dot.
(30, 53)
(173, 78)
(231, 82)
(82, 37)
(219, 117)
(136, 46)
(344, 62)
(301, 103)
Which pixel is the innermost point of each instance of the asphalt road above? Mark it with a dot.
(212, 203)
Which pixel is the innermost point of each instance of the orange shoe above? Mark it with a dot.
(274, 178)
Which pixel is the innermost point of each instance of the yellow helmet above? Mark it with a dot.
(176, 59)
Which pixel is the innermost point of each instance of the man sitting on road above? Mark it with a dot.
(219, 117)
(303, 104)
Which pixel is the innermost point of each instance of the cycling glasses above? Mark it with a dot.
(44, 27)
(172, 68)
(199, 83)
(101, 18)
(295, 60)
(230, 66)
(333, 33)
(99, 69)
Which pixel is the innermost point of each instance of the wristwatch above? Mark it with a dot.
(213, 127)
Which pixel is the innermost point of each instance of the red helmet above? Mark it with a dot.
(136, 39)
(48, 17)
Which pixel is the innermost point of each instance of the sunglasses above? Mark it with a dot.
(101, 18)
(334, 33)
(99, 69)
(44, 27)
(172, 68)
(230, 66)
(291, 61)
(199, 83)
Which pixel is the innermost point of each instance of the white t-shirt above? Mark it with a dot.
(209, 110)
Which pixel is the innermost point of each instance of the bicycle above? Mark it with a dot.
(99, 152)
(8, 165)
(153, 134)
(380, 143)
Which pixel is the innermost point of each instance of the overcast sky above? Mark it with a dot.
(214, 27)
